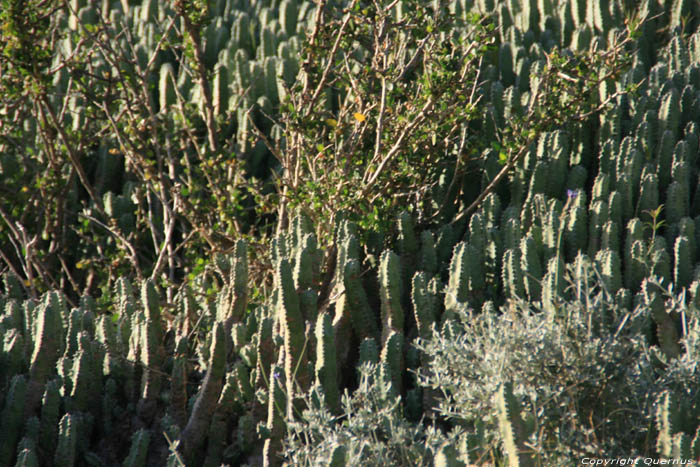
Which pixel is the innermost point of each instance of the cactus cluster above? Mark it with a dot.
(227, 377)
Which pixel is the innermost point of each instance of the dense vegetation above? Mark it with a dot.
(343, 232)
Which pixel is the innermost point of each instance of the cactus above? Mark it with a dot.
(576, 233)
(11, 420)
(369, 353)
(511, 427)
(12, 359)
(178, 383)
(49, 331)
(166, 87)
(531, 267)
(303, 270)
(665, 325)
(197, 426)
(447, 457)
(392, 357)
(457, 288)
(265, 351)
(648, 193)
(610, 237)
(512, 273)
(27, 458)
(683, 265)
(408, 244)
(363, 321)
(288, 14)
(424, 305)
(292, 323)
(67, 441)
(139, 449)
(48, 430)
(599, 215)
(553, 284)
(616, 212)
(428, 260)
(390, 293)
(686, 228)
(611, 270)
(217, 436)
(338, 457)
(235, 306)
(665, 158)
(277, 410)
(676, 202)
(326, 362)
(506, 64)
(86, 380)
(552, 228)
(667, 421)
(445, 243)
(151, 351)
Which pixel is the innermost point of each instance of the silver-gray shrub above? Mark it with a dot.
(583, 370)
(371, 428)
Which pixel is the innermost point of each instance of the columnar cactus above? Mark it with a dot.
(611, 270)
(390, 293)
(48, 431)
(665, 324)
(197, 426)
(512, 274)
(265, 351)
(576, 233)
(86, 379)
(326, 362)
(424, 304)
(49, 332)
(428, 260)
(665, 158)
(139, 449)
(531, 266)
(408, 244)
(667, 421)
(67, 441)
(12, 418)
(293, 327)
(166, 87)
(648, 193)
(234, 307)
(178, 383)
(610, 237)
(457, 289)
(598, 216)
(512, 427)
(150, 346)
(369, 353)
(392, 357)
(276, 415)
(363, 319)
(683, 265)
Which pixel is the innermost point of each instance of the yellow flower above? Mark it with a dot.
(359, 117)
